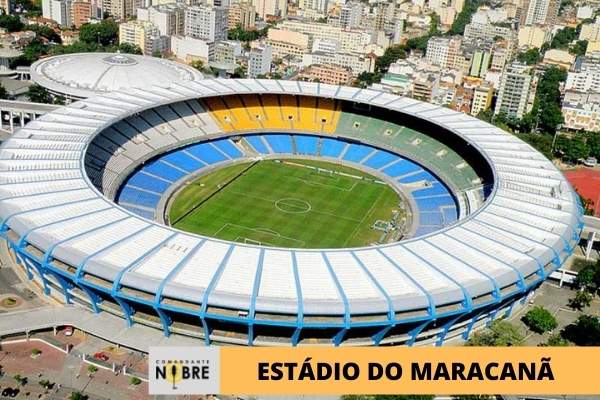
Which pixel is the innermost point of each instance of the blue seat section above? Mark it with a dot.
(424, 230)
(206, 153)
(306, 144)
(183, 161)
(380, 159)
(163, 170)
(356, 152)
(257, 143)
(331, 147)
(450, 214)
(138, 198)
(434, 203)
(421, 176)
(227, 147)
(435, 190)
(402, 167)
(431, 218)
(147, 182)
(280, 143)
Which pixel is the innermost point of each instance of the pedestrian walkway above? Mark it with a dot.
(103, 325)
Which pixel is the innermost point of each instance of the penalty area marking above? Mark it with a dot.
(293, 206)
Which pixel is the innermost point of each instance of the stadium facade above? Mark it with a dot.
(492, 216)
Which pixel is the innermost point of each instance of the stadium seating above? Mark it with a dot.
(142, 190)
(436, 206)
(422, 146)
(306, 144)
(273, 112)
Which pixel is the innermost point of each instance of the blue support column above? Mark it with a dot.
(415, 332)
(445, 329)
(40, 270)
(207, 331)
(20, 260)
(378, 337)
(64, 284)
(165, 320)
(300, 311)
(510, 309)
(94, 298)
(127, 310)
(296, 336)
(467, 332)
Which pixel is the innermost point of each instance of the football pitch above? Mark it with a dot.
(285, 204)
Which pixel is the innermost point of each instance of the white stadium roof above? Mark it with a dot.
(87, 74)
(529, 218)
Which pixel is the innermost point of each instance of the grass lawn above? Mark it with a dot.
(285, 205)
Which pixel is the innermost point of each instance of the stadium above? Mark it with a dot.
(95, 205)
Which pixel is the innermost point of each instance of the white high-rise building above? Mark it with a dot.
(274, 8)
(259, 61)
(206, 23)
(145, 35)
(515, 91)
(59, 11)
(168, 18)
(539, 12)
(320, 6)
(350, 15)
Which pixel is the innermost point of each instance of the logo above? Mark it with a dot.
(184, 370)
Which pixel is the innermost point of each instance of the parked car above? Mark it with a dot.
(590, 162)
(69, 331)
(101, 356)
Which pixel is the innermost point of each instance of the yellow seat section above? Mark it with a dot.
(307, 120)
(254, 108)
(272, 109)
(289, 109)
(243, 120)
(220, 113)
(328, 114)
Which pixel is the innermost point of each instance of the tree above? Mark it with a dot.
(77, 396)
(555, 341)
(572, 149)
(198, 64)
(579, 48)
(239, 33)
(588, 277)
(11, 23)
(130, 48)
(530, 57)
(391, 55)
(46, 384)
(365, 79)
(500, 333)
(463, 18)
(92, 369)
(20, 380)
(135, 380)
(563, 38)
(581, 300)
(540, 320)
(105, 33)
(38, 94)
(583, 332)
(547, 103)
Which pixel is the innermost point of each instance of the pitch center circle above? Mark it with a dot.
(293, 206)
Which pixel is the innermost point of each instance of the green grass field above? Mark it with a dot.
(285, 205)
